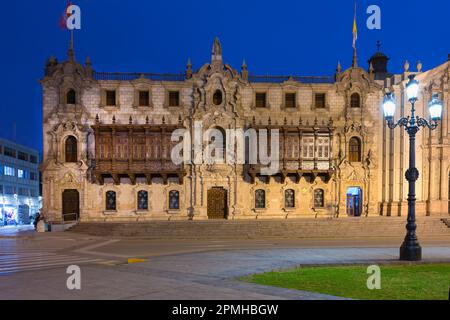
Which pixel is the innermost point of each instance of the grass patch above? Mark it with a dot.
(398, 282)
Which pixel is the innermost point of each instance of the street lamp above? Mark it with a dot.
(410, 250)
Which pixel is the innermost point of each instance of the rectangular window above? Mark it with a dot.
(308, 147)
(10, 190)
(9, 171)
(22, 174)
(144, 98)
(290, 99)
(260, 100)
(33, 176)
(33, 193)
(323, 148)
(320, 99)
(22, 156)
(174, 98)
(9, 152)
(33, 159)
(23, 192)
(110, 97)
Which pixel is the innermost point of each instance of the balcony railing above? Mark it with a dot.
(130, 76)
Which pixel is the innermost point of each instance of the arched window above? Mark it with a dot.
(71, 97)
(289, 198)
(260, 199)
(217, 97)
(174, 200)
(142, 200)
(110, 200)
(318, 198)
(355, 100)
(354, 150)
(71, 149)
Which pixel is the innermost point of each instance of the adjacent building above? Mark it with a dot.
(108, 143)
(19, 183)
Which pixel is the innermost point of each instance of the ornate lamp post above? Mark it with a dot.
(410, 250)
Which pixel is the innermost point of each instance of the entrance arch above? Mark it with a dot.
(354, 201)
(70, 205)
(217, 203)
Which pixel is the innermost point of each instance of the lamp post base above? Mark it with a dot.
(410, 252)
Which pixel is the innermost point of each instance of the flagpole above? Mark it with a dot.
(355, 36)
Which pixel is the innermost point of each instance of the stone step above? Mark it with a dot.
(235, 229)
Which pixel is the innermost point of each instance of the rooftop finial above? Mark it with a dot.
(355, 37)
(244, 71)
(378, 45)
(216, 50)
(189, 69)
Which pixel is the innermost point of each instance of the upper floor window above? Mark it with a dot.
(71, 97)
(260, 199)
(289, 198)
(142, 200)
(71, 149)
(174, 98)
(308, 147)
(110, 97)
(320, 100)
(260, 100)
(9, 171)
(355, 100)
(319, 198)
(22, 174)
(111, 200)
(33, 159)
(22, 156)
(144, 98)
(217, 98)
(323, 147)
(354, 150)
(174, 200)
(33, 176)
(290, 99)
(9, 152)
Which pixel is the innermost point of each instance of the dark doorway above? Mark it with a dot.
(354, 201)
(217, 203)
(71, 205)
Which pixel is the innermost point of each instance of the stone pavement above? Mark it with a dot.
(202, 274)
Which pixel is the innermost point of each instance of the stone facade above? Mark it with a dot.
(344, 109)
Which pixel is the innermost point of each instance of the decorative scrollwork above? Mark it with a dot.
(421, 122)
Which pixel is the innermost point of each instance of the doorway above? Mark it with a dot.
(71, 205)
(354, 201)
(217, 203)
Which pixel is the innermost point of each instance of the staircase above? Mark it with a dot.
(376, 227)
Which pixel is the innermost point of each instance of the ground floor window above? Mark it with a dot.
(142, 200)
(289, 198)
(111, 200)
(174, 200)
(260, 199)
(318, 198)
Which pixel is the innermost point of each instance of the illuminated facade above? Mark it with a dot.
(107, 143)
(19, 183)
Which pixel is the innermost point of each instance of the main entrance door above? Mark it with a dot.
(217, 203)
(354, 201)
(71, 205)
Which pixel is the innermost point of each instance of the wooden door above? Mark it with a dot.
(217, 203)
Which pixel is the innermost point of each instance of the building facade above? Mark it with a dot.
(19, 183)
(108, 143)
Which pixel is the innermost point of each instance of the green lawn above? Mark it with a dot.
(423, 281)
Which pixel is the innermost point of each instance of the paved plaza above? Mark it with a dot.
(33, 266)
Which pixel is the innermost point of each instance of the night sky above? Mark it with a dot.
(274, 37)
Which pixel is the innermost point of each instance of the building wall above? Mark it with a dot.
(17, 192)
(379, 174)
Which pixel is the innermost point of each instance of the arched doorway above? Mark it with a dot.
(70, 205)
(217, 203)
(354, 201)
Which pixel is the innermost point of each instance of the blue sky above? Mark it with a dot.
(274, 37)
